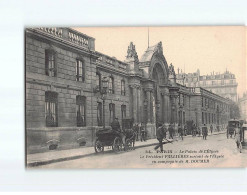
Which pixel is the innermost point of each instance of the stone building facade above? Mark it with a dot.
(242, 102)
(63, 73)
(224, 84)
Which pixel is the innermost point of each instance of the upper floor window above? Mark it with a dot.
(51, 109)
(81, 111)
(98, 80)
(111, 85)
(50, 63)
(80, 70)
(122, 87)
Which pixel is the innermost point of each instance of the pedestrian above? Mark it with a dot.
(199, 131)
(170, 129)
(160, 133)
(194, 130)
(185, 130)
(143, 133)
(136, 130)
(238, 135)
(180, 131)
(211, 128)
(204, 132)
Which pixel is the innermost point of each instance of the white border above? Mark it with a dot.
(15, 15)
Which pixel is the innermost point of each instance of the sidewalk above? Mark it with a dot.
(38, 159)
(72, 154)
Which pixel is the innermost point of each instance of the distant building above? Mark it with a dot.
(224, 84)
(243, 106)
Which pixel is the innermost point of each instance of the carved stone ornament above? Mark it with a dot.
(131, 53)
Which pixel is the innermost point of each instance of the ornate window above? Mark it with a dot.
(112, 112)
(80, 70)
(111, 85)
(99, 114)
(122, 87)
(51, 109)
(50, 63)
(81, 111)
(98, 80)
(123, 111)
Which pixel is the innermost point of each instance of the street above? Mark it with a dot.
(192, 152)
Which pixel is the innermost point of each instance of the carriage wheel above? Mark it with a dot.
(117, 145)
(99, 147)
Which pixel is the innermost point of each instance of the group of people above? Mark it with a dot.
(140, 131)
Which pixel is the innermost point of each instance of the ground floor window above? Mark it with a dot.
(123, 111)
(51, 109)
(81, 111)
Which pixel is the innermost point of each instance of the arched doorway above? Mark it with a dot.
(159, 77)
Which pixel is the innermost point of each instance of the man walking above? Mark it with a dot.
(160, 136)
(170, 129)
(143, 133)
(211, 129)
(204, 132)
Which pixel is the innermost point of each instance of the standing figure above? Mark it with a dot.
(194, 130)
(204, 132)
(185, 130)
(199, 131)
(115, 125)
(160, 136)
(238, 135)
(180, 131)
(143, 133)
(211, 128)
(136, 130)
(170, 129)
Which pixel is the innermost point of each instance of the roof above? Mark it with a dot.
(147, 56)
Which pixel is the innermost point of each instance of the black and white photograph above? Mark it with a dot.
(135, 97)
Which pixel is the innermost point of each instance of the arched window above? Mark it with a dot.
(98, 80)
(50, 63)
(80, 70)
(122, 87)
(111, 85)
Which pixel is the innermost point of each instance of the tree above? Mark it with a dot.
(234, 111)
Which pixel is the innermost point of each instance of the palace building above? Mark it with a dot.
(63, 73)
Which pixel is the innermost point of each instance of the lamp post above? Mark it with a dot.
(103, 92)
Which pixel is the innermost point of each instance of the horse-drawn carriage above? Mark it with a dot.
(108, 137)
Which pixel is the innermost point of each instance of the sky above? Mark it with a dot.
(207, 48)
